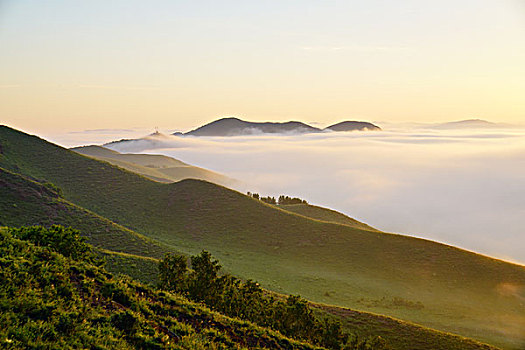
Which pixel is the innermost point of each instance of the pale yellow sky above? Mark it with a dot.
(86, 65)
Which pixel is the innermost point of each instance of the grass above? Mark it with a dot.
(26, 202)
(36, 199)
(424, 282)
(140, 268)
(398, 334)
(326, 215)
(49, 301)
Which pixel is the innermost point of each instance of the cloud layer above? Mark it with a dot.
(465, 188)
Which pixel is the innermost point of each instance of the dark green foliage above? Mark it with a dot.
(295, 317)
(172, 271)
(65, 241)
(204, 283)
(332, 334)
(285, 200)
(126, 321)
(292, 316)
(269, 200)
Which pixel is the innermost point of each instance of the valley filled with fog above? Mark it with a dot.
(461, 187)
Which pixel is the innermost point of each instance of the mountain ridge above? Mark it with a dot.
(231, 126)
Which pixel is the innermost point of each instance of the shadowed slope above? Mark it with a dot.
(429, 283)
(26, 203)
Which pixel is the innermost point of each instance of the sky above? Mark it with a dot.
(74, 65)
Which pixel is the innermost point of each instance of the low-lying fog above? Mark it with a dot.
(465, 188)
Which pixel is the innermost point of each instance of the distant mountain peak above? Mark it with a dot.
(352, 125)
(232, 126)
(469, 123)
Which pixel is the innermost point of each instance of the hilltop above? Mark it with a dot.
(353, 126)
(227, 127)
(155, 166)
(412, 279)
(236, 127)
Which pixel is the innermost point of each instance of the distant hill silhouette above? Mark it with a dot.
(236, 127)
(353, 126)
(469, 124)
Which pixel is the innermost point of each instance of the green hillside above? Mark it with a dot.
(397, 333)
(432, 284)
(26, 202)
(50, 301)
(324, 214)
(155, 166)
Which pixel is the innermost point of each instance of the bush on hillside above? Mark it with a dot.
(65, 241)
(291, 316)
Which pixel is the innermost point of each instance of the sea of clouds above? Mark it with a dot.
(461, 187)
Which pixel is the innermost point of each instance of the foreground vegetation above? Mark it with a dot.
(292, 316)
(54, 293)
(411, 279)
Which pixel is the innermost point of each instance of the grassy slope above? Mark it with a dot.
(140, 268)
(459, 291)
(156, 167)
(25, 202)
(324, 214)
(58, 303)
(399, 334)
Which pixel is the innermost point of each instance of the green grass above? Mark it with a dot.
(26, 202)
(140, 268)
(424, 282)
(48, 301)
(398, 334)
(324, 214)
